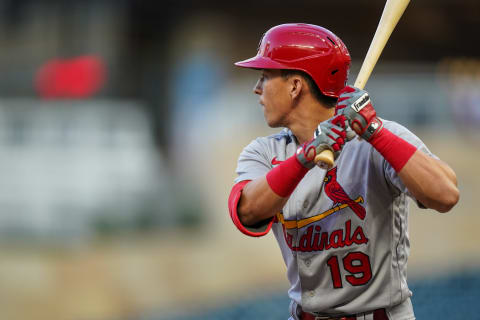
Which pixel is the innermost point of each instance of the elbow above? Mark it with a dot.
(450, 201)
(440, 197)
(249, 214)
(246, 217)
(447, 200)
(246, 212)
(450, 195)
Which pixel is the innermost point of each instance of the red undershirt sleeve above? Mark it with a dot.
(256, 231)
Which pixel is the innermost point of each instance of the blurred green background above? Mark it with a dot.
(121, 123)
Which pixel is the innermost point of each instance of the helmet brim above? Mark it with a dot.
(259, 62)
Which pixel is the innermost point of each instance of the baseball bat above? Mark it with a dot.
(392, 12)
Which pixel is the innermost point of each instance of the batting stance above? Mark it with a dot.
(343, 231)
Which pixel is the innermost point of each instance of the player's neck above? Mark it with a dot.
(306, 120)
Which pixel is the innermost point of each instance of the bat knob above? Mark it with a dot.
(325, 159)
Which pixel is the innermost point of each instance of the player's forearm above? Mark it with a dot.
(430, 181)
(263, 197)
(258, 202)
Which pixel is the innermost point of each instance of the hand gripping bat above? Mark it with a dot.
(392, 12)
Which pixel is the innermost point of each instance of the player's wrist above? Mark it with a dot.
(372, 129)
(393, 148)
(284, 178)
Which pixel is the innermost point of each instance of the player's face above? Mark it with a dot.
(274, 97)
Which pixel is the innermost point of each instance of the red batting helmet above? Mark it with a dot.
(309, 48)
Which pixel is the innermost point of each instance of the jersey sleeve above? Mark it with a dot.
(408, 136)
(252, 163)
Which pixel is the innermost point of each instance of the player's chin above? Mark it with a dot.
(271, 118)
(273, 124)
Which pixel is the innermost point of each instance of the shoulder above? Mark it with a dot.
(395, 127)
(260, 155)
(281, 138)
(284, 136)
(278, 146)
(402, 132)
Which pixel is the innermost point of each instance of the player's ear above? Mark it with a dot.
(296, 85)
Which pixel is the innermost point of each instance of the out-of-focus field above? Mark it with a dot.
(162, 273)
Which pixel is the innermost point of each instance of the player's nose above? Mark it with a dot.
(257, 89)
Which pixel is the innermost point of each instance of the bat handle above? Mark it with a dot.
(324, 159)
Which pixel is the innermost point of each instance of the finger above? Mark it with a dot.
(341, 133)
(357, 128)
(335, 138)
(338, 140)
(332, 139)
(344, 97)
(332, 135)
(340, 106)
(346, 105)
(336, 147)
(339, 109)
(339, 120)
(350, 134)
(337, 128)
(329, 125)
(347, 89)
(310, 153)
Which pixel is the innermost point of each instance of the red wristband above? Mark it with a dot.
(284, 178)
(393, 148)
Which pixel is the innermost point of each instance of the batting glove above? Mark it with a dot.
(356, 106)
(329, 135)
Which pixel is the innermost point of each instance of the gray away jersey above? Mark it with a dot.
(343, 233)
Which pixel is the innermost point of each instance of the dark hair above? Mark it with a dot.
(329, 102)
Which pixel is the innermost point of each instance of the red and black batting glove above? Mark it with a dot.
(329, 135)
(356, 106)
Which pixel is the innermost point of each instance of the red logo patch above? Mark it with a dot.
(335, 192)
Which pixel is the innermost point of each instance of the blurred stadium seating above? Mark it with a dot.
(451, 296)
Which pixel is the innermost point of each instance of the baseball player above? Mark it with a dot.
(343, 231)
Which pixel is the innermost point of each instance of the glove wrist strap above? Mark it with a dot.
(284, 178)
(372, 129)
(393, 148)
